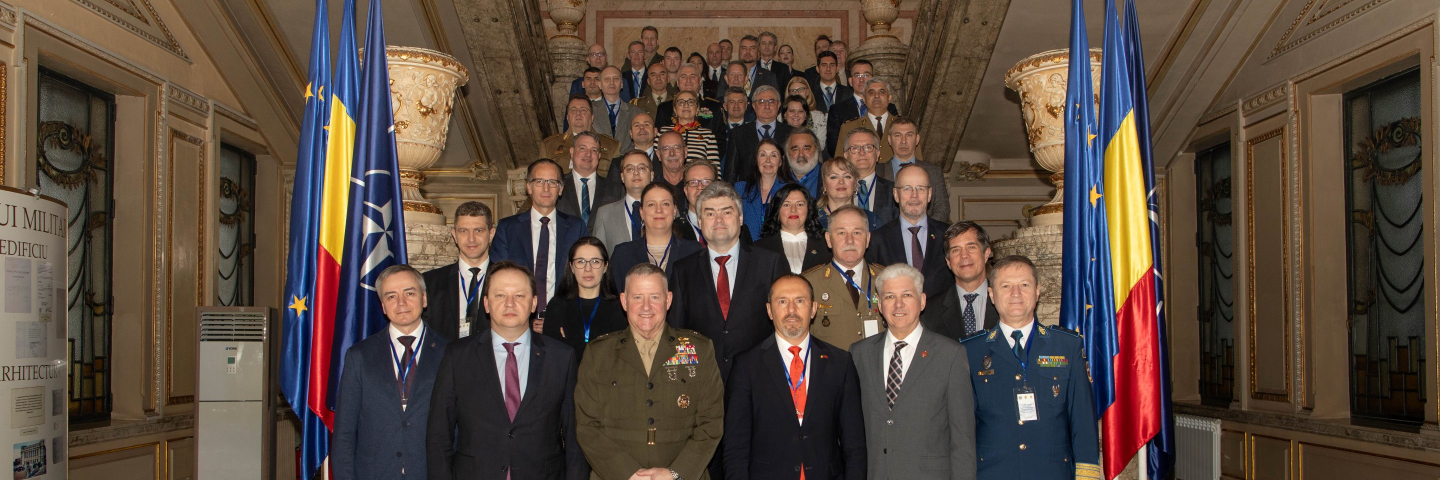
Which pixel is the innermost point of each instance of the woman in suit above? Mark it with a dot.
(584, 307)
(759, 185)
(656, 244)
(792, 229)
(837, 185)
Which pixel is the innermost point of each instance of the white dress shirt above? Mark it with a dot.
(1024, 333)
(786, 357)
(399, 348)
(594, 188)
(522, 359)
(982, 299)
(869, 205)
(908, 239)
(731, 266)
(877, 123)
(794, 245)
(465, 277)
(549, 267)
(694, 223)
(907, 354)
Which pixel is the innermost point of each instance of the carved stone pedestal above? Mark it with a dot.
(429, 246)
(567, 53)
(885, 53)
(1043, 245)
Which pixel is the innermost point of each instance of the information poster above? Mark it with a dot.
(33, 367)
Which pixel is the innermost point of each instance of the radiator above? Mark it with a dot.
(1198, 442)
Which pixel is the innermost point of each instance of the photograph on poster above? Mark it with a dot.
(30, 341)
(30, 459)
(44, 289)
(17, 285)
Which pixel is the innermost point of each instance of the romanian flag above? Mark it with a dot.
(300, 298)
(346, 223)
(1111, 273)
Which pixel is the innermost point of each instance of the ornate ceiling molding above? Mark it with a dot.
(1308, 25)
(145, 23)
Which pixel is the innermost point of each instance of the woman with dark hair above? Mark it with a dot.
(585, 306)
(793, 230)
(759, 185)
(656, 244)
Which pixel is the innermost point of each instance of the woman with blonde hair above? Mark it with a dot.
(837, 183)
(799, 86)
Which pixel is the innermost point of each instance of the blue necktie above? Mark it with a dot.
(969, 314)
(1019, 348)
(766, 133)
(863, 109)
(613, 112)
(585, 200)
(863, 196)
(635, 220)
(829, 96)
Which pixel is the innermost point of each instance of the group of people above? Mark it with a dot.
(756, 314)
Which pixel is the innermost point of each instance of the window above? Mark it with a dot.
(235, 267)
(76, 149)
(1386, 257)
(1215, 240)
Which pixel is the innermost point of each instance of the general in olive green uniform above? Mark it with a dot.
(557, 147)
(841, 321)
(672, 417)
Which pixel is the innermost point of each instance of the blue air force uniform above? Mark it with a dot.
(1061, 442)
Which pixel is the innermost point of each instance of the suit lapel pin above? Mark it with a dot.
(812, 252)
(822, 356)
(924, 353)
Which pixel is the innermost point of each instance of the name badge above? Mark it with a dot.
(872, 327)
(464, 328)
(1025, 404)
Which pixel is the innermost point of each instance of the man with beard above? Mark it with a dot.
(811, 423)
(848, 296)
(803, 151)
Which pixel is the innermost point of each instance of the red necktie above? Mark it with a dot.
(722, 286)
(797, 390)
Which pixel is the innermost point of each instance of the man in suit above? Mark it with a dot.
(649, 402)
(502, 395)
(740, 148)
(596, 58)
(377, 433)
(671, 172)
(905, 142)
(914, 239)
(698, 175)
(736, 112)
(750, 60)
(584, 190)
(455, 288)
(581, 118)
(847, 108)
(919, 407)
(715, 64)
(793, 403)
(803, 154)
(826, 85)
(1015, 432)
(612, 114)
(768, 45)
(849, 296)
(872, 193)
(965, 309)
(720, 291)
(635, 74)
(538, 238)
(620, 221)
(842, 57)
(877, 95)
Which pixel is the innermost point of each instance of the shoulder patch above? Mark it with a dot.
(613, 334)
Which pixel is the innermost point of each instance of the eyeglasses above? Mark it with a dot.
(766, 101)
(587, 263)
(685, 103)
(796, 90)
(861, 76)
(601, 55)
(861, 148)
(636, 169)
(544, 183)
(913, 189)
(698, 183)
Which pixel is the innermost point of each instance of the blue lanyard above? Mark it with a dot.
(665, 256)
(1025, 362)
(471, 293)
(404, 368)
(804, 368)
(851, 281)
(588, 319)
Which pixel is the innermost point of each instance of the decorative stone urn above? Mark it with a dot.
(1041, 80)
(883, 50)
(567, 52)
(422, 93)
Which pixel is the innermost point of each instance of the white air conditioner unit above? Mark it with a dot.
(234, 426)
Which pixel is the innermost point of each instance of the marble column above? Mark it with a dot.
(567, 53)
(883, 50)
(1041, 80)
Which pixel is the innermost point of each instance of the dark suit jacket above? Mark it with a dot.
(614, 173)
(635, 252)
(696, 307)
(605, 190)
(844, 110)
(374, 438)
(782, 73)
(512, 240)
(741, 146)
(886, 210)
(442, 290)
(945, 314)
(628, 91)
(470, 433)
(564, 321)
(762, 77)
(816, 251)
(763, 438)
(842, 91)
(887, 247)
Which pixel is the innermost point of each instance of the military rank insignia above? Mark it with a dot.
(1052, 361)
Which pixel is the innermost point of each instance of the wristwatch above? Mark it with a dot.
(674, 475)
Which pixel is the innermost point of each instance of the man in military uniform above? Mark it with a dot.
(1032, 392)
(557, 147)
(848, 299)
(649, 403)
